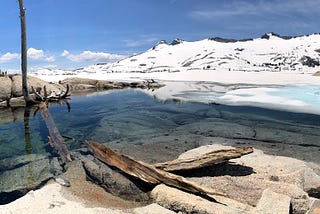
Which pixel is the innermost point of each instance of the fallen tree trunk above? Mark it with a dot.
(146, 172)
(208, 159)
(55, 138)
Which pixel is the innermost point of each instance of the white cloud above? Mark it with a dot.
(91, 56)
(38, 54)
(65, 53)
(9, 56)
(35, 54)
(50, 59)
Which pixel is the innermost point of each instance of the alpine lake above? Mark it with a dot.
(151, 130)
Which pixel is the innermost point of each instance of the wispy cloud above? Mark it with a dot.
(91, 56)
(140, 42)
(241, 7)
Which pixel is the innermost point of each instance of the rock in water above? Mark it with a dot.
(62, 181)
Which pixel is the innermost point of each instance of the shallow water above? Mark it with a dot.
(149, 129)
(301, 98)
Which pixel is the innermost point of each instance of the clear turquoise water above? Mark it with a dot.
(129, 116)
(309, 94)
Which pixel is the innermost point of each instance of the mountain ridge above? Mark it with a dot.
(270, 52)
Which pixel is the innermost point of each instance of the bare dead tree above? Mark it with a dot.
(25, 90)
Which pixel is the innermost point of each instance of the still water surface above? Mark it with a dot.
(134, 118)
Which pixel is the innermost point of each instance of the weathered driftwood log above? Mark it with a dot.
(208, 159)
(146, 172)
(55, 138)
(54, 96)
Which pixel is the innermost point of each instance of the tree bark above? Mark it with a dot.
(55, 138)
(25, 90)
(145, 171)
(208, 159)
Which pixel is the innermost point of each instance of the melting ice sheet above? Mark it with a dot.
(296, 98)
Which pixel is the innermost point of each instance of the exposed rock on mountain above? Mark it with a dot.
(176, 41)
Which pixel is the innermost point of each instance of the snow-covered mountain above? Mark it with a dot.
(271, 52)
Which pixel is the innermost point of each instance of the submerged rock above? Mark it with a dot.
(24, 173)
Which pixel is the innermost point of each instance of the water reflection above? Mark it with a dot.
(23, 131)
(28, 145)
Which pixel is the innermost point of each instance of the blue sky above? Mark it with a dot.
(74, 33)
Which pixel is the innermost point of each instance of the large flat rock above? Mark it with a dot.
(183, 202)
(5, 88)
(35, 82)
(246, 178)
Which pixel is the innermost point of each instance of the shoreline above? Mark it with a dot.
(223, 77)
(86, 197)
(259, 89)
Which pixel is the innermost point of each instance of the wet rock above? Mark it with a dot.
(5, 88)
(272, 202)
(6, 115)
(22, 174)
(114, 181)
(17, 102)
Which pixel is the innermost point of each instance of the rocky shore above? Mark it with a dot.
(254, 183)
(11, 87)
